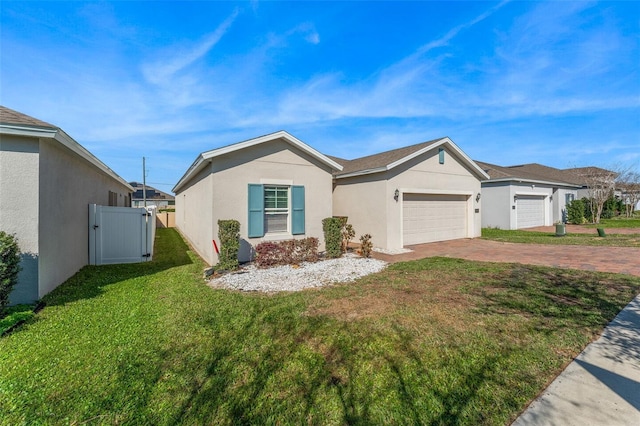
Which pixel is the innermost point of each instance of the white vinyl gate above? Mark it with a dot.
(120, 234)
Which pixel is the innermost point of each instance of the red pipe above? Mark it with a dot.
(215, 246)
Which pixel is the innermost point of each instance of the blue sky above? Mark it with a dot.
(556, 83)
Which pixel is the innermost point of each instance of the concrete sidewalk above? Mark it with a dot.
(601, 386)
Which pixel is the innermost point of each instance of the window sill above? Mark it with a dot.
(277, 236)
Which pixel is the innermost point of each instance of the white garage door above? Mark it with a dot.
(427, 218)
(530, 211)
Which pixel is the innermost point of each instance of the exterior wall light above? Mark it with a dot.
(478, 197)
(396, 195)
(515, 198)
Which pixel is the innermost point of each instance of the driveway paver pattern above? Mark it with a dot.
(624, 260)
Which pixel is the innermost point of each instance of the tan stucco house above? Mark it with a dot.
(276, 186)
(526, 195)
(47, 181)
(412, 195)
(280, 188)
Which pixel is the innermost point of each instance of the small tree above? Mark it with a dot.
(9, 267)
(600, 185)
(629, 186)
(348, 233)
(229, 235)
(366, 245)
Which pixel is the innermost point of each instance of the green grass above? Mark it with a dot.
(436, 341)
(618, 222)
(14, 315)
(530, 237)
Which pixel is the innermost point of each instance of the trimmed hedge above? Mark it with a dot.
(289, 252)
(332, 228)
(229, 235)
(9, 267)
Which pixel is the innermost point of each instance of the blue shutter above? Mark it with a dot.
(256, 211)
(297, 210)
(441, 155)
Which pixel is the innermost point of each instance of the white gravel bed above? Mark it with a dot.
(287, 278)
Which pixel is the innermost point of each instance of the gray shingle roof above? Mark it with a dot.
(531, 171)
(382, 159)
(9, 116)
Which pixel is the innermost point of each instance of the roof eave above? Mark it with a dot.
(208, 155)
(65, 140)
(362, 172)
(536, 181)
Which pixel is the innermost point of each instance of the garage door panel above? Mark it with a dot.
(530, 211)
(428, 218)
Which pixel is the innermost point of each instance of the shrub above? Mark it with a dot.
(229, 235)
(286, 252)
(366, 245)
(575, 212)
(9, 267)
(347, 232)
(332, 227)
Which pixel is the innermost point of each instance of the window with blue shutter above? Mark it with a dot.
(297, 210)
(256, 210)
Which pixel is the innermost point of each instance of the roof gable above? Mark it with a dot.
(390, 159)
(201, 160)
(16, 123)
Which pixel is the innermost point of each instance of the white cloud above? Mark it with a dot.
(178, 58)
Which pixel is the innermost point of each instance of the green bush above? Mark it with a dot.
(229, 235)
(9, 267)
(332, 228)
(575, 212)
(611, 208)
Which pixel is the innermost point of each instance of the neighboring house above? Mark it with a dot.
(412, 195)
(526, 196)
(155, 197)
(47, 181)
(276, 186)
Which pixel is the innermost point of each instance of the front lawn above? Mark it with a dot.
(436, 341)
(531, 237)
(618, 222)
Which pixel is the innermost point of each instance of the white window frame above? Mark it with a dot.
(277, 210)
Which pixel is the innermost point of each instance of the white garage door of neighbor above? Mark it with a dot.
(530, 211)
(427, 218)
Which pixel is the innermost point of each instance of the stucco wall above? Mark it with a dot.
(19, 206)
(362, 199)
(221, 192)
(194, 214)
(497, 204)
(275, 162)
(68, 184)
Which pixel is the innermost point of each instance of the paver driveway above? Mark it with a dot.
(624, 260)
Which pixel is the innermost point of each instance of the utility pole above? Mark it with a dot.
(144, 183)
